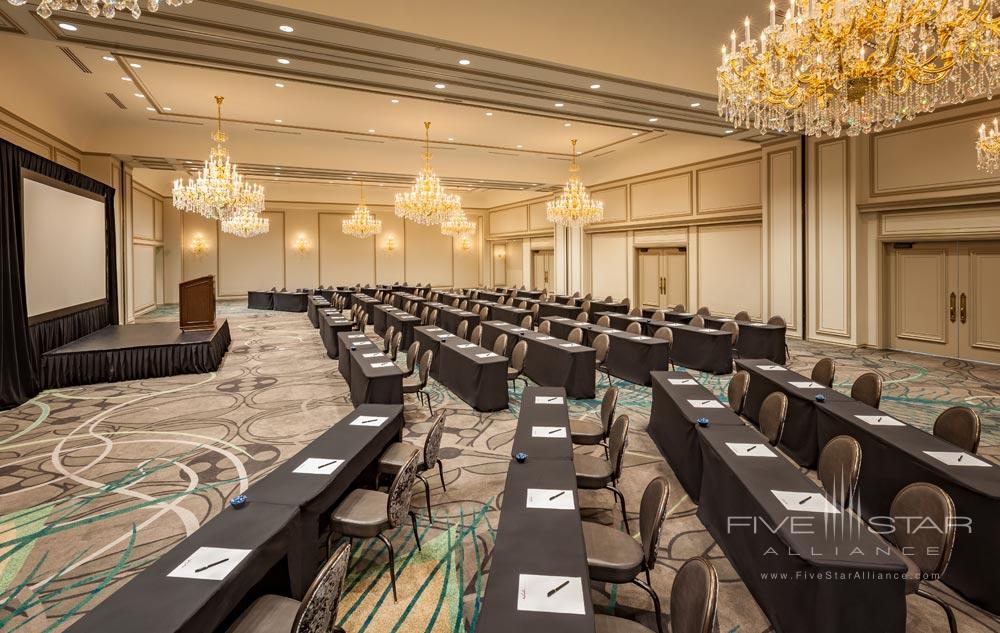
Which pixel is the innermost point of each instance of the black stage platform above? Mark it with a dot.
(134, 352)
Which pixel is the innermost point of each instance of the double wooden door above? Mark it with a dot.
(541, 269)
(945, 299)
(662, 277)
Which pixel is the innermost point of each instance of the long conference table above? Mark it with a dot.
(271, 542)
(449, 317)
(473, 373)
(316, 303)
(810, 565)
(705, 349)
(539, 581)
(331, 323)
(630, 357)
(551, 361)
(371, 375)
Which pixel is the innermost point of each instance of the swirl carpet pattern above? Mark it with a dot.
(98, 481)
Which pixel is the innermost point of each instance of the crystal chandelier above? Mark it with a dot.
(427, 202)
(988, 147)
(859, 66)
(98, 8)
(362, 223)
(458, 225)
(219, 190)
(245, 224)
(574, 207)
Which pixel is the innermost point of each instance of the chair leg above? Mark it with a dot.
(416, 534)
(648, 588)
(430, 409)
(952, 625)
(427, 494)
(392, 563)
(441, 474)
(621, 499)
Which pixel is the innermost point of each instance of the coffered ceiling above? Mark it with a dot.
(361, 78)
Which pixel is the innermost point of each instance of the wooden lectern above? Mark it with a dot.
(197, 298)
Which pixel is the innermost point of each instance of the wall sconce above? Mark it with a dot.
(500, 254)
(390, 244)
(302, 245)
(465, 243)
(198, 244)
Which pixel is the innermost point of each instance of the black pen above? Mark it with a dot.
(558, 494)
(554, 431)
(960, 457)
(218, 562)
(751, 448)
(329, 463)
(806, 499)
(553, 591)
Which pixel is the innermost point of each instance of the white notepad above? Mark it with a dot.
(533, 594)
(880, 420)
(486, 355)
(205, 556)
(548, 431)
(569, 345)
(368, 420)
(635, 318)
(318, 466)
(957, 458)
(445, 335)
(771, 368)
(706, 404)
(707, 330)
(807, 384)
(382, 365)
(682, 381)
(548, 399)
(805, 502)
(433, 329)
(638, 338)
(372, 355)
(465, 345)
(543, 338)
(517, 329)
(750, 450)
(550, 499)
(355, 336)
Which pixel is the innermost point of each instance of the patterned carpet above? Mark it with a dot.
(98, 481)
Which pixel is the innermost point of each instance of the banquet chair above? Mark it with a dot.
(609, 299)
(369, 513)
(597, 473)
(780, 321)
(515, 368)
(583, 316)
(412, 352)
(604, 321)
(390, 331)
(616, 557)
(736, 392)
(634, 328)
(397, 454)
(576, 294)
(679, 307)
(500, 301)
(927, 552)
(455, 303)
(585, 306)
(425, 316)
(601, 345)
(960, 426)
(771, 417)
(545, 327)
(576, 335)
(500, 345)
(838, 468)
(272, 613)
(462, 330)
(484, 313)
(523, 305)
(658, 315)
(534, 313)
(588, 296)
(477, 335)
(867, 388)
(704, 311)
(667, 335)
(742, 316)
(636, 311)
(734, 332)
(463, 305)
(419, 384)
(526, 322)
(587, 432)
(697, 321)
(433, 317)
(397, 340)
(824, 371)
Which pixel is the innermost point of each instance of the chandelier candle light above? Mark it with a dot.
(362, 224)
(98, 8)
(427, 202)
(988, 147)
(458, 225)
(858, 66)
(219, 191)
(574, 207)
(245, 224)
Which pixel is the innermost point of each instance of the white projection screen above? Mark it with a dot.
(65, 252)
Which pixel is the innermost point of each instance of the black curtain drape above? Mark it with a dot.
(21, 346)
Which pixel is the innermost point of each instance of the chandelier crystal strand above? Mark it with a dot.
(245, 225)
(100, 8)
(362, 224)
(427, 202)
(574, 207)
(858, 66)
(988, 147)
(219, 190)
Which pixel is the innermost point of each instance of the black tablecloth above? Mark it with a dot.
(490, 296)
(539, 409)
(757, 340)
(703, 349)
(479, 380)
(630, 356)
(668, 315)
(332, 322)
(530, 294)
(450, 297)
(403, 322)
(673, 425)
(535, 541)
(367, 302)
(316, 495)
(551, 362)
(557, 309)
(316, 302)
(510, 314)
(371, 385)
(799, 437)
(399, 299)
(430, 337)
(567, 299)
(449, 317)
(893, 457)
(291, 301)
(379, 317)
(602, 306)
(809, 571)
(260, 299)
(153, 602)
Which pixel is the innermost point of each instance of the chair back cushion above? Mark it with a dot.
(388, 337)
(432, 443)
(679, 307)
(500, 345)
(601, 344)
(526, 322)
(477, 335)
(518, 355)
(608, 405)
(544, 327)
(575, 336)
(617, 443)
(704, 311)
(742, 316)
(411, 356)
(733, 329)
(652, 513)
(737, 390)
(772, 416)
(664, 333)
(960, 426)
(929, 549)
(463, 329)
(776, 320)
(583, 316)
(634, 328)
(867, 388)
(697, 321)
(604, 321)
(839, 465)
(318, 610)
(824, 372)
(694, 597)
(398, 503)
(425, 366)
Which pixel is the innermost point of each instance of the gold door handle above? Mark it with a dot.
(951, 307)
(963, 313)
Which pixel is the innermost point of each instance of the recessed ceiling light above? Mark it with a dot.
(558, 105)
(371, 130)
(450, 139)
(66, 26)
(108, 58)
(282, 60)
(277, 120)
(653, 120)
(139, 94)
(489, 114)
(126, 79)
(279, 85)
(730, 131)
(134, 65)
(567, 124)
(464, 62)
(440, 86)
(285, 28)
(520, 146)
(595, 86)
(395, 101)
(166, 109)
(635, 134)
(696, 105)
(151, 108)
